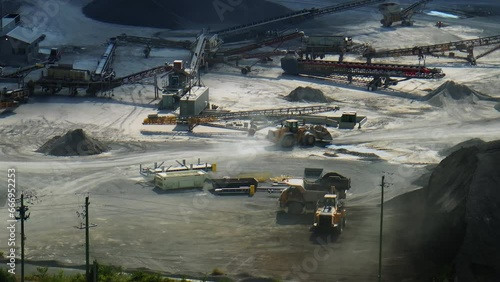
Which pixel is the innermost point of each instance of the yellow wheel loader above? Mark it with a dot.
(291, 134)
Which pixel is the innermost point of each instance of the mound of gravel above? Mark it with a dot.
(73, 143)
(451, 91)
(456, 217)
(463, 211)
(461, 145)
(181, 14)
(307, 94)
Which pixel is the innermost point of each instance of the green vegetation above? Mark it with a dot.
(217, 272)
(6, 276)
(106, 273)
(42, 275)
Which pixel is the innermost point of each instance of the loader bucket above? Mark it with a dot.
(322, 133)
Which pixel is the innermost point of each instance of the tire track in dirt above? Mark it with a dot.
(82, 184)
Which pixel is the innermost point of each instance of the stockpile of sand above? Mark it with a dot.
(73, 143)
(181, 14)
(454, 92)
(307, 94)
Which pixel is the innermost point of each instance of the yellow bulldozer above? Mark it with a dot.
(291, 134)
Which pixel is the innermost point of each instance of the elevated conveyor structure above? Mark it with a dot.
(21, 72)
(410, 10)
(296, 16)
(254, 46)
(192, 121)
(280, 112)
(393, 13)
(439, 49)
(55, 85)
(105, 61)
(155, 42)
(378, 74)
(199, 56)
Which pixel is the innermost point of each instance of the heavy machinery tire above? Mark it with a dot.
(251, 132)
(309, 140)
(340, 227)
(287, 141)
(295, 208)
(244, 70)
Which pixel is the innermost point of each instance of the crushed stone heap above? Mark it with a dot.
(463, 211)
(307, 94)
(455, 92)
(181, 14)
(453, 223)
(73, 143)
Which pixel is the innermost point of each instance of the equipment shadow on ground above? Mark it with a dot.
(7, 114)
(323, 237)
(283, 218)
(176, 191)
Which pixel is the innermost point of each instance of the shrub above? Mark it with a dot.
(6, 276)
(217, 271)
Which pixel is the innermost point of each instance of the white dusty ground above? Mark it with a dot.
(195, 232)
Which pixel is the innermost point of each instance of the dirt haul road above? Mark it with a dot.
(194, 232)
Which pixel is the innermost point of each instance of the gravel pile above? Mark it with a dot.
(307, 94)
(465, 144)
(73, 143)
(455, 92)
(454, 222)
(181, 14)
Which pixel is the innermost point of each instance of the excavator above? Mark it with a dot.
(290, 134)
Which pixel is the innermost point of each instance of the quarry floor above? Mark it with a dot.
(194, 232)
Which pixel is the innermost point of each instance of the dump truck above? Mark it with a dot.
(314, 179)
(291, 134)
(303, 194)
(330, 214)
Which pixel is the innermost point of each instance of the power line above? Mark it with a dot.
(23, 217)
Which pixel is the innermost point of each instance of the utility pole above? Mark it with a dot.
(87, 248)
(381, 222)
(22, 216)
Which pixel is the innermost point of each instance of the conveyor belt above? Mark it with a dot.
(247, 48)
(106, 60)
(434, 49)
(297, 15)
(280, 112)
(325, 68)
(411, 9)
(155, 42)
(22, 71)
(95, 86)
